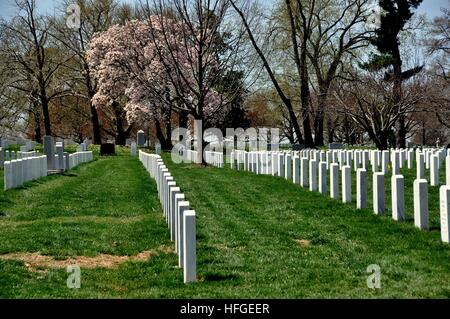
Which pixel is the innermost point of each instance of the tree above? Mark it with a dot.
(319, 35)
(26, 45)
(396, 13)
(369, 102)
(95, 16)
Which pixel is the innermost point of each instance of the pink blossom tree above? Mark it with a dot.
(163, 65)
(131, 63)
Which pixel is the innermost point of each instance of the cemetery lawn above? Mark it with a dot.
(258, 237)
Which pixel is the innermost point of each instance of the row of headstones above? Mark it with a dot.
(379, 160)
(313, 174)
(214, 158)
(78, 158)
(177, 214)
(12, 155)
(31, 167)
(60, 161)
(134, 147)
(19, 171)
(28, 145)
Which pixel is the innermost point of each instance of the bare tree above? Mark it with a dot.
(368, 100)
(95, 16)
(210, 45)
(320, 34)
(25, 41)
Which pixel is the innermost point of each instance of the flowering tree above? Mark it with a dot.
(134, 65)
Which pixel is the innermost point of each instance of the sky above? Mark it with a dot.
(430, 7)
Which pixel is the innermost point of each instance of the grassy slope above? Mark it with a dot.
(247, 231)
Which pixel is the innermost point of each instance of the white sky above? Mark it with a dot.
(429, 7)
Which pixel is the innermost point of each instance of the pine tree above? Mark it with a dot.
(396, 13)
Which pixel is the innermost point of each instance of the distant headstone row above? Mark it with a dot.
(26, 145)
(60, 161)
(310, 168)
(211, 158)
(18, 172)
(21, 167)
(178, 216)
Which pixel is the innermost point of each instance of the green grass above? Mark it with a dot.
(247, 228)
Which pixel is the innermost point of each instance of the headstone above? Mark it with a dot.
(288, 167)
(396, 163)
(313, 175)
(361, 188)
(348, 159)
(420, 170)
(8, 176)
(434, 170)
(378, 193)
(133, 149)
(182, 207)
(273, 163)
(66, 161)
(365, 159)
(384, 162)
(346, 184)
(444, 193)
(158, 149)
(398, 197)
(107, 149)
(49, 150)
(334, 180)
(189, 242)
(140, 138)
(178, 199)
(296, 170)
(280, 165)
(304, 172)
(59, 150)
(421, 203)
(410, 158)
(173, 191)
(323, 178)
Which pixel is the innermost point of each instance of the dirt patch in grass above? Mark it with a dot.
(36, 260)
(303, 242)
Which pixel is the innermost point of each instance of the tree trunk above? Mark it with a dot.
(45, 113)
(96, 132)
(37, 129)
(397, 94)
(164, 140)
(121, 135)
(320, 118)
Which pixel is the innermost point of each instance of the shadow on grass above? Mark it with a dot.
(219, 277)
(70, 174)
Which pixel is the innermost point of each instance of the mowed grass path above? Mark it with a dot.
(108, 206)
(258, 237)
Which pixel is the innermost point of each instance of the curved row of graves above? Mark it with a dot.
(177, 214)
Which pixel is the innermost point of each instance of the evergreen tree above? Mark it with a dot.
(396, 13)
